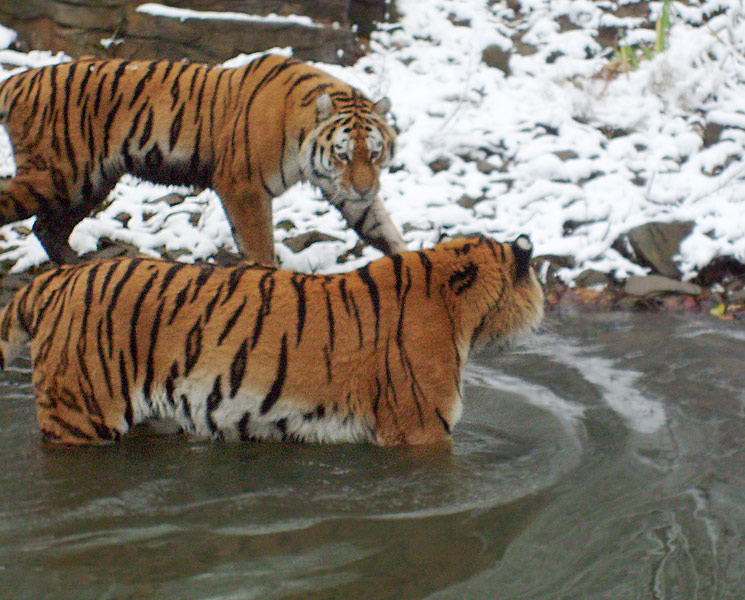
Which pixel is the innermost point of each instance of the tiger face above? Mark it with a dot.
(344, 154)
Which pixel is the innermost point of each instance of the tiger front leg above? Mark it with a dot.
(250, 218)
(54, 233)
(373, 224)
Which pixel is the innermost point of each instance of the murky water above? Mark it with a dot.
(604, 460)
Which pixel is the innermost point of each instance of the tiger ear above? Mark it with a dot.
(325, 106)
(382, 106)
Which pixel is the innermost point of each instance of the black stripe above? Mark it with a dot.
(89, 68)
(276, 390)
(372, 289)
(117, 77)
(179, 302)
(141, 84)
(462, 279)
(204, 275)
(213, 403)
(175, 86)
(175, 131)
(397, 262)
(107, 125)
(133, 330)
(445, 424)
(102, 361)
(330, 318)
(147, 131)
(238, 368)
(107, 280)
(298, 282)
(427, 265)
(150, 364)
(71, 429)
(168, 277)
(193, 346)
(115, 298)
(124, 382)
(266, 293)
(170, 384)
(234, 280)
(99, 93)
(212, 303)
(231, 322)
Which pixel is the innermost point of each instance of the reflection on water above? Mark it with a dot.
(604, 459)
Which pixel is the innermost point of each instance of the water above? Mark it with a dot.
(603, 460)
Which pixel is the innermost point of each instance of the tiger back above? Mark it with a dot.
(250, 352)
(249, 133)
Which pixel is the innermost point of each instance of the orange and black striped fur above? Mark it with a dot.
(249, 133)
(252, 352)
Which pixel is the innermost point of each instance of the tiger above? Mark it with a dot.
(249, 133)
(252, 352)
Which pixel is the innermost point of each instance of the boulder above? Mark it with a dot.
(653, 245)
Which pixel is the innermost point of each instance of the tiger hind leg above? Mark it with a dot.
(61, 421)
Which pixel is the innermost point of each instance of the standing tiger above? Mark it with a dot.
(252, 352)
(249, 133)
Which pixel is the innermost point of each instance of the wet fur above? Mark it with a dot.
(249, 352)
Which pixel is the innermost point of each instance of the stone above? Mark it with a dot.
(305, 240)
(651, 285)
(440, 164)
(591, 278)
(653, 245)
(497, 58)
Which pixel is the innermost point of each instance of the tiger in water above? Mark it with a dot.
(249, 133)
(256, 353)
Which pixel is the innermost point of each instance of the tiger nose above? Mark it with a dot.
(363, 180)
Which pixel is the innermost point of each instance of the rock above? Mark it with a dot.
(497, 58)
(305, 240)
(441, 163)
(591, 278)
(654, 244)
(546, 266)
(226, 258)
(467, 201)
(650, 285)
(286, 225)
(78, 26)
(720, 270)
(171, 199)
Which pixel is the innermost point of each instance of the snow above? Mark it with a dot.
(559, 139)
(183, 14)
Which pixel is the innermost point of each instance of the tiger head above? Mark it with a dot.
(351, 142)
(492, 292)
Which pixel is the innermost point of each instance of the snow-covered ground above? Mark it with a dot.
(560, 139)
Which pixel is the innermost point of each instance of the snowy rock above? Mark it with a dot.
(654, 245)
